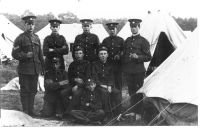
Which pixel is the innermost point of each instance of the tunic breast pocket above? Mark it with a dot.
(137, 48)
(36, 46)
(59, 43)
(27, 47)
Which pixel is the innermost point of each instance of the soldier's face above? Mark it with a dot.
(113, 31)
(103, 55)
(79, 55)
(55, 29)
(86, 28)
(135, 29)
(29, 26)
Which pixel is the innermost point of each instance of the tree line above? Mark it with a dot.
(187, 24)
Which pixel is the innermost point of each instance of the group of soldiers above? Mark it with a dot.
(91, 90)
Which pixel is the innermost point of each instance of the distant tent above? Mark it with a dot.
(100, 31)
(8, 33)
(173, 87)
(8, 29)
(5, 48)
(187, 33)
(163, 34)
(14, 84)
(70, 31)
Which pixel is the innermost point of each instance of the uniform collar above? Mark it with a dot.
(29, 33)
(79, 61)
(55, 34)
(113, 36)
(103, 63)
(135, 36)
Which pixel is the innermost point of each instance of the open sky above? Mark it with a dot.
(102, 8)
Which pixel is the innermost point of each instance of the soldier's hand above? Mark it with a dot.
(87, 104)
(109, 89)
(78, 80)
(51, 50)
(104, 86)
(133, 55)
(64, 82)
(117, 57)
(75, 88)
(48, 81)
(29, 54)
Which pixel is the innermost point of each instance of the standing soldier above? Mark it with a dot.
(88, 41)
(136, 52)
(54, 45)
(115, 44)
(27, 50)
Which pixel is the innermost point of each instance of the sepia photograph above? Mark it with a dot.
(99, 63)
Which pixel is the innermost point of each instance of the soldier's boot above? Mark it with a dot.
(24, 101)
(31, 105)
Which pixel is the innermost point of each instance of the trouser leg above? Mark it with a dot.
(80, 115)
(105, 97)
(28, 89)
(24, 101)
(134, 82)
(59, 106)
(118, 79)
(48, 109)
(33, 90)
(75, 100)
(116, 101)
(65, 94)
(97, 115)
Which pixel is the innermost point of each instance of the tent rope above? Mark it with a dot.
(165, 109)
(158, 115)
(110, 122)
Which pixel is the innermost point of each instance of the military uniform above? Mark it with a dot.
(29, 66)
(134, 67)
(53, 102)
(102, 73)
(90, 108)
(115, 47)
(77, 69)
(89, 42)
(56, 42)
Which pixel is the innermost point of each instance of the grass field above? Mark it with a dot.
(11, 100)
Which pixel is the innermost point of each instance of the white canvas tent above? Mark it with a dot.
(8, 33)
(163, 34)
(176, 80)
(187, 33)
(70, 31)
(100, 31)
(5, 48)
(14, 84)
(8, 29)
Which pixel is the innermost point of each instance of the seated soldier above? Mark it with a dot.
(102, 73)
(90, 110)
(78, 73)
(54, 81)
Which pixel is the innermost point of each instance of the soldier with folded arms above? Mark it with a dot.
(54, 45)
